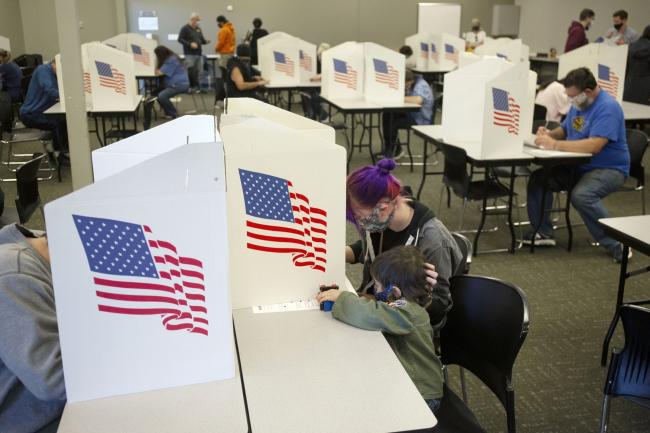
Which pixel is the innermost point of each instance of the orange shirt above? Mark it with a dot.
(225, 39)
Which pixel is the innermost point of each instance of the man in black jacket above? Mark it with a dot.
(191, 37)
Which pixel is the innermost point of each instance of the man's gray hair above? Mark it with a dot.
(194, 15)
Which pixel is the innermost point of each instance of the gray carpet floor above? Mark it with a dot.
(557, 378)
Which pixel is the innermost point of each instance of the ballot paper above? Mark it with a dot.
(299, 305)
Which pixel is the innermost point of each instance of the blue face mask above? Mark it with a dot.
(384, 295)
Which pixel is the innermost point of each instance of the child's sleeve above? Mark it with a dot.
(371, 315)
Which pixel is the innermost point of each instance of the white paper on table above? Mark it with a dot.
(298, 305)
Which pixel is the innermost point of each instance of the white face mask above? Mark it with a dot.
(580, 101)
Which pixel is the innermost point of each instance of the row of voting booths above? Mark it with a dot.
(285, 59)
(436, 52)
(108, 78)
(140, 48)
(181, 221)
(363, 71)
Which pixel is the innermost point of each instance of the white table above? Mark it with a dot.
(201, 408)
(305, 371)
(633, 111)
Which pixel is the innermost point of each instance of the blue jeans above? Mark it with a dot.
(588, 191)
(168, 92)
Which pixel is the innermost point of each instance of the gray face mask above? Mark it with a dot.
(581, 101)
(372, 224)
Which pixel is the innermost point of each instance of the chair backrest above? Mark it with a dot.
(628, 369)
(465, 246)
(537, 123)
(637, 143)
(539, 113)
(485, 329)
(27, 197)
(307, 107)
(455, 171)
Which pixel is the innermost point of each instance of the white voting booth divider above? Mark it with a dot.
(138, 148)
(140, 48)
(513, 50)
(363, 71)
(140, 274)
(607, 63)
(279, 58)
(118, 42)
(419, 43)
(307, 57)
(497, 107)
(5, 44)
(440, 51)
(109, 78)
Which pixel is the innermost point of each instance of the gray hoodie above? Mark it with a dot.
(32, 390)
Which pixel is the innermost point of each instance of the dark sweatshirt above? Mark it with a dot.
(189, 34)
(577, 37)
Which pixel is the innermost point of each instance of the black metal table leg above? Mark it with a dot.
(619, 301)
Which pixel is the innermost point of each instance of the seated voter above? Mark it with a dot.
(399, 312)
(386, 219)
(411, 60)
(595, 125)
(174, 79)
(242, 83)
(553, 97)
(417, 92)
(475, 37)
(32, 388)
(11, 75)
(43, 92)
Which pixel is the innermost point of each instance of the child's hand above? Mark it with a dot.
(329, 295)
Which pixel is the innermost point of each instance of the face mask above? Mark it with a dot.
(581, 101)
(475, 28)
(618, 26)
(587, 26)
(372, 224)
(384, 295)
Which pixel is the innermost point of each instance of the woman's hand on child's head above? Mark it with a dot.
(329, 295)
(431, 273)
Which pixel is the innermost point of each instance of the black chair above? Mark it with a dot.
(627, 375)
(484, 332)
(306, 101)
(539, 112)
(28, 198)
(637, 143)
(465, 246)
(457, 179)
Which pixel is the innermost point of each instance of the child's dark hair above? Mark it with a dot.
(403, 267)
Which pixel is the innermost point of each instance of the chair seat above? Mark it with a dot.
(477, 190)
(24, 135)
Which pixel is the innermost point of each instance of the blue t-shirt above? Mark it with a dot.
(175, 72)
(422, 89)
(604, 118)
(43, 91)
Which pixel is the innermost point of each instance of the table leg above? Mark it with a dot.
(99, 138)
(372, 155)
(424, 169)
(483, 211)
(351, 138)
(619, 301)
(289, 101)
(510, 198)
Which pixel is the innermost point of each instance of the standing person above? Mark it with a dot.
(226, 41)
(417, 92)
(11, 76)
(577, 36)
(43, 92)
(174, 77)
(386, 219)
(191, 37)
(399, 312)
(595, 125)
(475, 37)
(252, 38)
(32, 387)
(620, 33)
(637, 78)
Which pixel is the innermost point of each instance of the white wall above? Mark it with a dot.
(544, 24)
(11, 26)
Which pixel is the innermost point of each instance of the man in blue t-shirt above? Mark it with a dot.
(594, 124)
(417, 92)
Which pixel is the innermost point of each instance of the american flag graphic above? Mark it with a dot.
(424, 50)
(506, 111)
(140, 54)
(386, 74)
(110, 77)
(281, 220)
(451, 53)
(87, 86)
(608, 80)
(283, 63)
(134, 273)
(305, 61)
(345, 74)
(434, 53)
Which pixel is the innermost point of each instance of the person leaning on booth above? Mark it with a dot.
(32, 388)
(595, 125)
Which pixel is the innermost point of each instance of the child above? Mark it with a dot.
(398, 310)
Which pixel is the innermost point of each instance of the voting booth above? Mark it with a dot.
(496, 110)
(118, 42)
(5, 44)
(513, 50)
(285, 229)
(436, 52)
(308, 59)
(140, 272)
(140, 48)
(607, 63)
(384, 74)
(419, 43)
(279, 58)
(133, 150)
(109, 78)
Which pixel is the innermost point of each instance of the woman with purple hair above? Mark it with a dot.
(385, 219)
